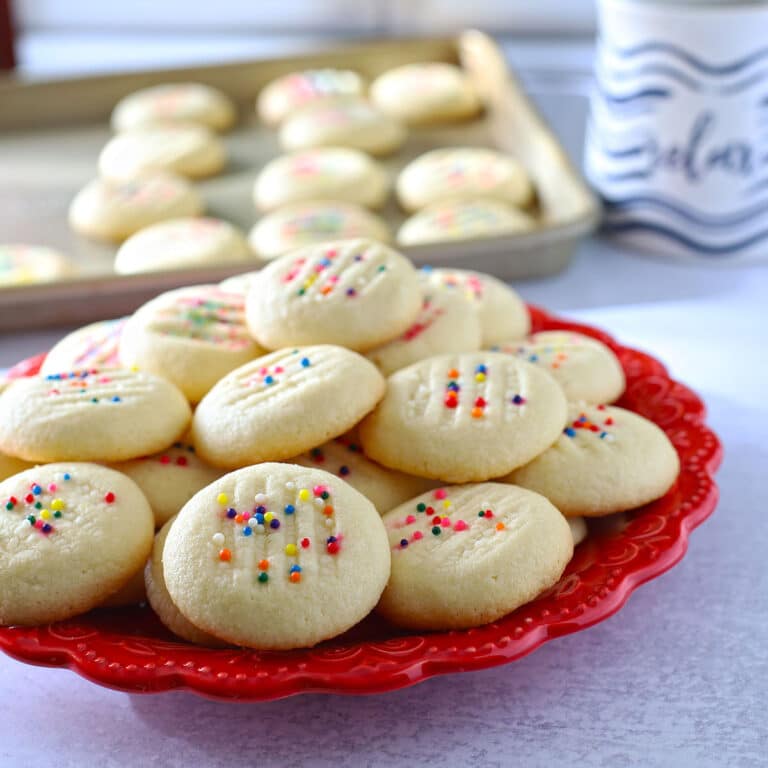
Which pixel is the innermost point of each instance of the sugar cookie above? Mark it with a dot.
(182, 244)
(72, 535)
(467, 555)
(26, 264)
(283, 96)
(428, 92)
(188, 150)
(131, 593)
(10, 465)
(451, 173)
(239, 283)
(606, 460)
(463, 418)
(579, 529)
(311, 223)
(328, 173)
(93, 346)
(343, 123)
(344, 457)
(283, 404)
(356, 293)
(90, 415)
(276, 556)
(503, 315)
(463, 220)
(445, 324)
(174, 102)
(584, 367)
(170, 478)
(109, 211)
(190, 336)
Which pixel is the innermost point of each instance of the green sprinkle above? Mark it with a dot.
(324, 495)
(436, 530)
(421, 507)
(31, 519)
(481, 513)
(263, 577)
(9, 505)
(38, 505)
(57, 514)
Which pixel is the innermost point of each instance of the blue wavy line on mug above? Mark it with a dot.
(696, 245)
(656, 46)
(624, 176)
(684, 212)
(628, 98)
(619, 154)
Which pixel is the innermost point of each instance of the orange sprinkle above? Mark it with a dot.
(500, 526)
(328, 511)
(263, 565)
(238, 518)
(295, 577)
(477, 413)
(225, 555)
(326, 289)
(453, 374)
(555, 365)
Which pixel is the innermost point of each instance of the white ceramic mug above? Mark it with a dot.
(677, 142)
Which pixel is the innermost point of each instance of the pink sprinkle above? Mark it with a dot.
(331, 253)
(440, 493)
(445, 522)
(417, 535)
(52, 487)
(104, 380)
(246, 515)
(263, 371)
(39, 524)
(319, 490)
(460, 525)
(410, 519)
(279, 369)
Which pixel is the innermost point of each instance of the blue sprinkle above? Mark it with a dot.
(533, 358)
(269, 380)
(453, 386)
(47, 528)
(274, 524)
(289, 509)
(517, 399)
(67, 476)
(570, 431)
(330, 540)
(84, 374)
(294, 569)
(427, 268)
(116, 399)
(37, 490)
(344, 470)
(259, 518)
(231, 512)
(603, 435)
(261, 509)
(247, 531)
(403, 542)
(326, 262)
(481, 369)
(305, 362)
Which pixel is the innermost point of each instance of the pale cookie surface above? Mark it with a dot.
(191, 336)
(579, 529)
(502, 313)
(282, 97)
(174, 102)
(454, 173)
(343, 123)
(239, 283)
(445, 324)
(463, 418)
(170, 478)
(72, 534)
(355, 293)
(344, 457)
(114, 211)
(585, 368)
(427, 92)
(160, 600)
(328, 173)
(283, 404)
(132, 592)
(606, 460)
(92, 346)
(188, 150)
(463, 220)
(26, 264)
(276, 556)
(466, 555)
(312, 223)
(91, 415)
(180, 244)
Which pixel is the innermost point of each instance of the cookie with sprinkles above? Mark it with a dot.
(239, 283)
(72, 534)
(314, 222)
(283, 404)
(464, 418)
(445, 324)
(276, 556)
(503, 315)
(191, 336)
(606, 460)
(356, 293)
(22, 264)
(90, 415)
(93, 345)
(463, 556)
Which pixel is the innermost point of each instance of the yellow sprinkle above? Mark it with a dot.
(57, 505)
(290, 549)
(269, 516)
(447, 503)
(304, 494)
(135, 368)
(222, 498)
(479, 377)
(45, 514)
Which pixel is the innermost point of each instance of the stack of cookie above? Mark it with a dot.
(335, 434)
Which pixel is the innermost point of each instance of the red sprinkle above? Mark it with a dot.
(333, 547)
(480, 402)
(165, 459)
(109, 497)
(305, 543)
(488, 513)
(460, 525)
(417, 535)
(182, 461)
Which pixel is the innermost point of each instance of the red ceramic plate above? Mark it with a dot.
(128, 649)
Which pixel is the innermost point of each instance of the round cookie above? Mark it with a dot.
(172, 103)
(10, 465)
(445, 324)
(344, 457)
(182, 244)
(311, 223)
(276, 556)
(170, 478)
(72, 535)
(26, 264)
(343, 123)
(188, 150)
(584, 367)
(579, 529)
(355, 293)
(328, 173)
(606, 460)
(466, 555)
(114, 211)
(502, 313)
(465, 417)
(463, 220)
(239, 283)
(428, 92)
(160, 600)
(283, 404)
(282, 97)
(131, 593)
(191, 336)
(451, 173)
(92, 346)
(90, 415)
